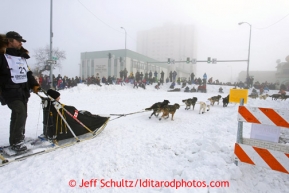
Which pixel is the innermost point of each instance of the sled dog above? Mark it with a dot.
(204, 106)
(226, 101)
(284, 97)
(169, 109)
(275, 96)
(215, 99)
(190, 102)
(253, 95)
(263, 96)
(157, 108)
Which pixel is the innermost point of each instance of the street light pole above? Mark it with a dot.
(124, 45)
(50, 52)
(248, 51)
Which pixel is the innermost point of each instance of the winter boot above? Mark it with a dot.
(19, 147)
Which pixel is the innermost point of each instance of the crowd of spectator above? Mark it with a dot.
(58, 82)
(140, 79)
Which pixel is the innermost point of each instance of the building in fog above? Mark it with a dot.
(282, 74)
(176, 42)
(260, 76)
(111, 62)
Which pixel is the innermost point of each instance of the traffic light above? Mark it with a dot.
(188, 60)
(209, 60)
(169, 60)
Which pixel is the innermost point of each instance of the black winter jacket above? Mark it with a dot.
(9, 90)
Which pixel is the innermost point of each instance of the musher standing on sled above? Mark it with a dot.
(16, 80)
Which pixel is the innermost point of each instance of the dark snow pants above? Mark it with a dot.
(17, 122)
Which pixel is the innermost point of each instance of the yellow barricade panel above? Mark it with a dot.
(237, 94)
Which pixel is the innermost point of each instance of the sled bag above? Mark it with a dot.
(55, 128)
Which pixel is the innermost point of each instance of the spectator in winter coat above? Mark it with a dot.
(155, 76)
(192, 77)
(172, 86)
(174, 75)
(158, 85)
(59, 83)
(125, 73)
(162, 75)
(205, 78)
(150, 74)
(121, 74)
(135, 84)
(171, 76)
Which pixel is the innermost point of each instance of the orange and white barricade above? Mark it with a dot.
(262, 149)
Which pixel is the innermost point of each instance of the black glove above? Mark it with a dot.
(2, 100)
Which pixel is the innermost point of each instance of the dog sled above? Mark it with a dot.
(63, 126)
(63, 122)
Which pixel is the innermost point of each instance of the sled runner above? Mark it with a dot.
(43, 147)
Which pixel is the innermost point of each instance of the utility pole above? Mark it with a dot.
(124, 45)
(50, 53)
(248, 61)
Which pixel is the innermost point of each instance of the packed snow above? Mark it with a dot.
(136, 151)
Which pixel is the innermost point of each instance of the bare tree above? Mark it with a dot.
(42, 54)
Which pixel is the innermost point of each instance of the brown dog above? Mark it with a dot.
(215, 99)
(169, 109)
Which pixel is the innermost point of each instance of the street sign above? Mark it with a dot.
(54, 58)
(214, 61)
(194, 61)
(51, 61)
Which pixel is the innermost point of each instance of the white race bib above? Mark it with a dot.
(18, 68)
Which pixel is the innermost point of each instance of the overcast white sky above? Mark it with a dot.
(94, 25)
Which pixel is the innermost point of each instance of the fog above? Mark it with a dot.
(94, 25)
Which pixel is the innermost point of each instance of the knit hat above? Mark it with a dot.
(53, 93)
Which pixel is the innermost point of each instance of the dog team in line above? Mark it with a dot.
(280, 95)
(166, 109)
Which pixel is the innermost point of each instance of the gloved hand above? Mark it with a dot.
(36, 89)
